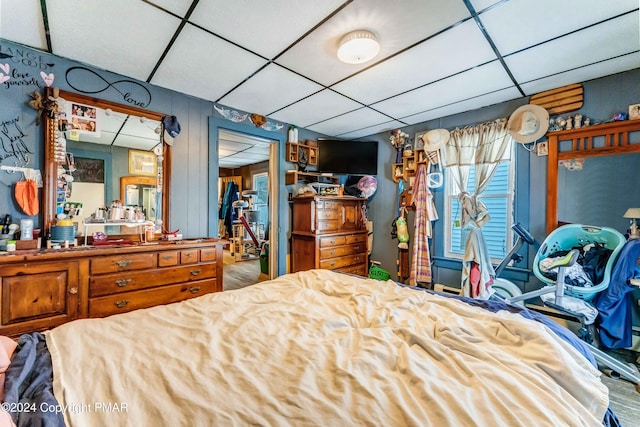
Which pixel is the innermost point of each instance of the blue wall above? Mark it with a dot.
(603, 98)
(193, 203)
(194, 167)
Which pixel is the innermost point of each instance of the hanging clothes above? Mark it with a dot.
(425, 213)
(227, 212)
(477, 271)
(614, 304)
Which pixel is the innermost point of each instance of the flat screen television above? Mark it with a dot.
(347, 157)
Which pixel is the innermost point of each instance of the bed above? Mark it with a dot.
(310, 348)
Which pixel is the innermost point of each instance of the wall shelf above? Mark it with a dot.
(294, 177)
(310, 148)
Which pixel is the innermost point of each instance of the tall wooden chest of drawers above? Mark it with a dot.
(329, 232)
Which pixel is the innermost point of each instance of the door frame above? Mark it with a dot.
(277, 239)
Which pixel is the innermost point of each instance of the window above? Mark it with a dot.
(261, 185)
(498, 198)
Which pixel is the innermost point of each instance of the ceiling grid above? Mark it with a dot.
(278, 58)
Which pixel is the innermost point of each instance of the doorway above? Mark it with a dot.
(245, 190)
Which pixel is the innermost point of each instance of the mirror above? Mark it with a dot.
(592, 175)
(140, 191)
(109, 154)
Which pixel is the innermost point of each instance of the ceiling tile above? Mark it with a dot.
(396, 25)
(516, 24)
(599, 43)
(270, 89)
(472, 83)
(350, 122)
(319, 106)
(21, 21)
(456, 50)
(110, 35)
(268, 27)
(231, 136)
(433, 50)
(480, 5)
(207, 72)
(463, 106)
(582, 74)
(179, 7)
(372, 130)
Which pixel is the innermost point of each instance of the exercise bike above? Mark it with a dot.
(571, 236)
(501, 288)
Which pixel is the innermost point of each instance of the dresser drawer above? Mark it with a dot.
(356, 238)
(325, 214)
(116, 263)
(345, 261)
(338, 251)
(123, 282)
(327, 242)
(360, 270)
(328, 225)
(208, 254)
(189, 256)
(168, 258)
(327, 204)
(128, 301)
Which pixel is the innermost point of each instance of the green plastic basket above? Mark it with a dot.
(378, 273)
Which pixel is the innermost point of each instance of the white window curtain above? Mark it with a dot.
(481, 147)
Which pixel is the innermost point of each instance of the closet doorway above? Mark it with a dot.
(246, 175)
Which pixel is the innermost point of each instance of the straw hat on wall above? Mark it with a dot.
(528, 123)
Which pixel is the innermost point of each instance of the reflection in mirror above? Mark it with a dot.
(95, 170)
(598, 190)
(592, 175)
(139, 192)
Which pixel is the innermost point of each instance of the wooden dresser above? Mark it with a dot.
(329, 232)
(43, 289)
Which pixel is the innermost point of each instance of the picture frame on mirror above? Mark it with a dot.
(143, 163)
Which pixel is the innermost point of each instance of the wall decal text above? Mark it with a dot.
(12, 143)
(88, 81)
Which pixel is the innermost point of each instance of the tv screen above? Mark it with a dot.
(347, 157)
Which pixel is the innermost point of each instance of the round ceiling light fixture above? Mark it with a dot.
(358, 46)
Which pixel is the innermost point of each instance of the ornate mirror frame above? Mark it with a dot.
(592, 141)
(51, 167)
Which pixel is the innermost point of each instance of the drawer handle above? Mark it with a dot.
(195, 272)
(123, 282)
(167, 257)
(194, 290)
(123, 263)
(333, 264)
(73, 290)
(333, 252)
(188, 254)
(122, 304)
(333, 242)
(357, 248)
(327, 214)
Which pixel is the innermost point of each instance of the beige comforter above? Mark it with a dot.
(320, 348)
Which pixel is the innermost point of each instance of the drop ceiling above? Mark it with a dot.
(278, 58)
